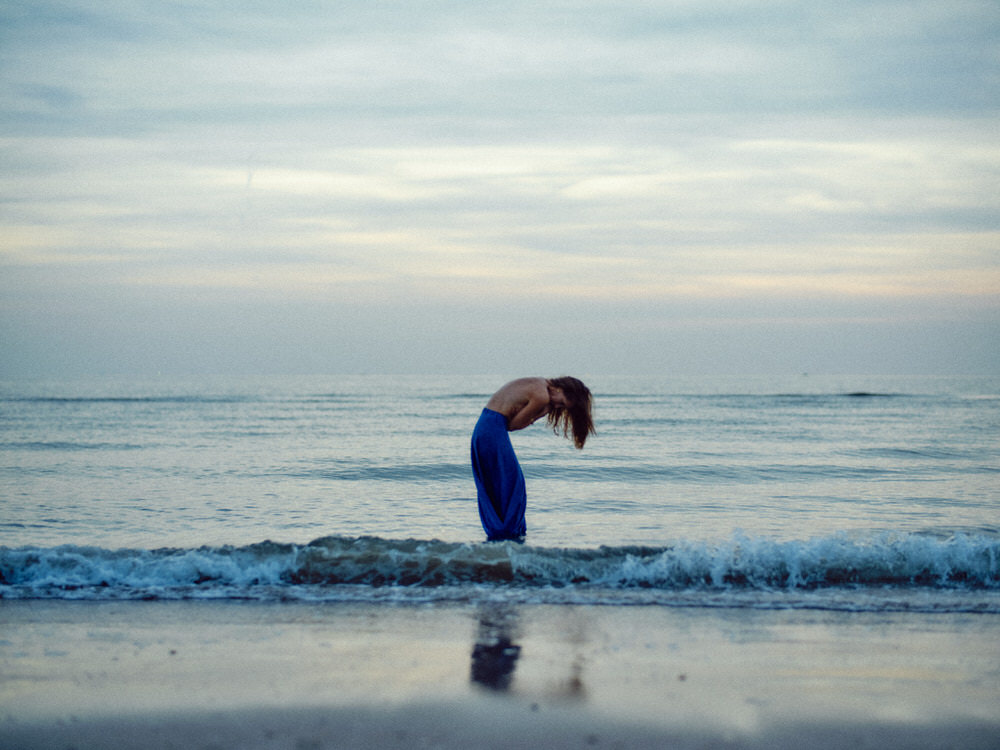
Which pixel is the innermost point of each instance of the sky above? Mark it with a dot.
(699, 188)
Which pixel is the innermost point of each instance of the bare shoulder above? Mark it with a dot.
(513, 396)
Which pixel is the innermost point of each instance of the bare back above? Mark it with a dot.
(522, 401)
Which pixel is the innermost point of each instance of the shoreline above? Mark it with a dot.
(482, 724)
(483, 674)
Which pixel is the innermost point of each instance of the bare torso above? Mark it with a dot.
(522, 401)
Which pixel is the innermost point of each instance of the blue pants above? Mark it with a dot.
(499, 480)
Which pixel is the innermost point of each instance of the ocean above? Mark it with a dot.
(831, 493)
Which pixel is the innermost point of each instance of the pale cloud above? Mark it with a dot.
(329, 184)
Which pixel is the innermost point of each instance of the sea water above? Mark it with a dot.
(848, 493)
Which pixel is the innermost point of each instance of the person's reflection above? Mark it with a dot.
(494, 654)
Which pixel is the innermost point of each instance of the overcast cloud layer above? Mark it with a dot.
(513, 187)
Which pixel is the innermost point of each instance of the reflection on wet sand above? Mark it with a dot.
(494, 654)
(496, 651)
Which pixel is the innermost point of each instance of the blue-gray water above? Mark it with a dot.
(857, 493)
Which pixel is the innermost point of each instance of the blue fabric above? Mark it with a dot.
(499, 480)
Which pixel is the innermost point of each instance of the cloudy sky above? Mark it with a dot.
(499, 187)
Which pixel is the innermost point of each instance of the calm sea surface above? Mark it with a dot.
(806, 491)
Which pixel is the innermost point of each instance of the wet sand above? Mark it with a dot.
(281, 675)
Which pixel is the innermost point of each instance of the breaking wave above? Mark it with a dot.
(351, 568)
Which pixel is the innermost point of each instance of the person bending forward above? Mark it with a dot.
(566, 402)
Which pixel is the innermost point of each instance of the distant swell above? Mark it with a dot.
(179, 399)
(268, 569)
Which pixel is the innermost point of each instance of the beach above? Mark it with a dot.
(298, 563)
(490, 674)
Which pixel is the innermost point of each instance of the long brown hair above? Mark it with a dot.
(576, 417)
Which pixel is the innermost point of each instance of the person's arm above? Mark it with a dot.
(536, 407)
